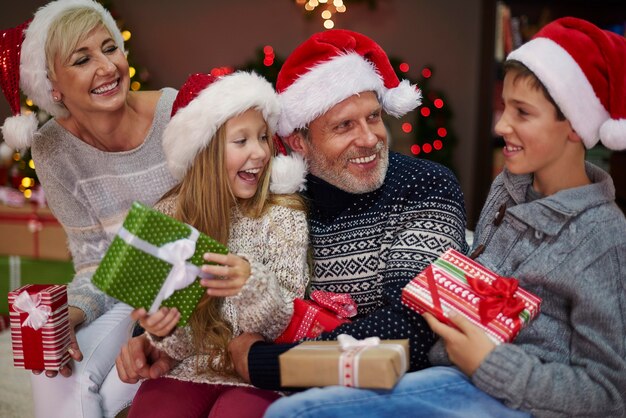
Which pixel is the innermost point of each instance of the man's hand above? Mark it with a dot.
(467, 346)
(239, 348)
(76, 317)
(139, 359)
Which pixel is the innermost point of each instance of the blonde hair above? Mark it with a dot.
(205, 200)
(67, 31)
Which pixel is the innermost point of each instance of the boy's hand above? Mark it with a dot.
(231, 274)
(160, 323)
(467, 346)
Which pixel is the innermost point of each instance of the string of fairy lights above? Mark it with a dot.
(330, 8)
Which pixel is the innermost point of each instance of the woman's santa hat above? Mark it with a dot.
(584, 69)
(204, 103)
(331, 66)
(24, 63)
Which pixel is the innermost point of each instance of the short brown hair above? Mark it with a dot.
(520, 71)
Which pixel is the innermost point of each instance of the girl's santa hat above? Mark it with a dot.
(204, 103)
(23, 57)
(584, 69)
(331, 66)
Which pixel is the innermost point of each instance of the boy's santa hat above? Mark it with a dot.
(204, 103)
(24, 63)
(331, 66)
(584, 69)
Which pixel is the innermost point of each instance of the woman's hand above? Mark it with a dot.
(231, 274)
(160, 323)
(76, 317)
(467, 346)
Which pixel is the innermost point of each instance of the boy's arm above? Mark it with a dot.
(593, 382)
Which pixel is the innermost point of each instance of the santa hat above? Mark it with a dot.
(331, 66)
(17, 126)
(204, 103)
(584, 69)
(32, 73)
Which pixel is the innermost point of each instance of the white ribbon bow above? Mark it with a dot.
(176, 253)
(348, 342)
(351, 352)
(37, 314)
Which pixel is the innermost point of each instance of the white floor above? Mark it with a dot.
(15, 396)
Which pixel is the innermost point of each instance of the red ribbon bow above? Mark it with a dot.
(497, 297)
(340, 303)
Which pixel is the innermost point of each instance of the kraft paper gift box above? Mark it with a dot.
(457, 283)
(40, 334)
(154, 260)
(325, 312)
(369, 363)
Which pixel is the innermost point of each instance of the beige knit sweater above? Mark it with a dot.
(276, 247)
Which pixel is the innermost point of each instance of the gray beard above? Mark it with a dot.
(321, 167)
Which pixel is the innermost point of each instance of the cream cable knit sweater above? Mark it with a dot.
(276, 247)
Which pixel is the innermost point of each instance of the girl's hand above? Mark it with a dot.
(231, 273)
(467, 346)
(160, 323)
(76, 317)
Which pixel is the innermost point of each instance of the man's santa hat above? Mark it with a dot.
(204, 103)
(24, 62)
(584, 70)
(331, 66)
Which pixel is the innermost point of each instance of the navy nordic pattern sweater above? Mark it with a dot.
(371, 245)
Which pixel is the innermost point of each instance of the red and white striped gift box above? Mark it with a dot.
(457, 283)
(44, 348)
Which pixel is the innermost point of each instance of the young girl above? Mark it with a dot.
(222, 156)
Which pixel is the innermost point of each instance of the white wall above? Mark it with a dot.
(175, 38)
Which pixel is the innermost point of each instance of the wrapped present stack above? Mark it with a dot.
(39, 327)
(368, 363)
(457, 283)
(324, 312)
(154, 261)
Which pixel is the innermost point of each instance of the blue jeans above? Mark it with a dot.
(434, 392)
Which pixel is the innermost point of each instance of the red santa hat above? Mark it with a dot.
(584, 69)
(204, 103)
(331, 66)
(28, 65)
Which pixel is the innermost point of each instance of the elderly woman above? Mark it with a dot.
(100, 151)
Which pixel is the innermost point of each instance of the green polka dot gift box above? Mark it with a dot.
(154, 261)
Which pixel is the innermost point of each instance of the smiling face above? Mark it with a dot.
(247, 152)
(536, 141)
(95, 75)
(347, 146)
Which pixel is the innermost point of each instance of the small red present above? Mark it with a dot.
(457, 283)
(325, 312)
(39, 326)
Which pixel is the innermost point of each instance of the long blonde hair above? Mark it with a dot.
(205, 200)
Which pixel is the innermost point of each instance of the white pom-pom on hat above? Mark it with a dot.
(288, 174)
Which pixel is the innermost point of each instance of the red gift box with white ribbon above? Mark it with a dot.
(324, 312)
(39, 322)
(457, 283)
